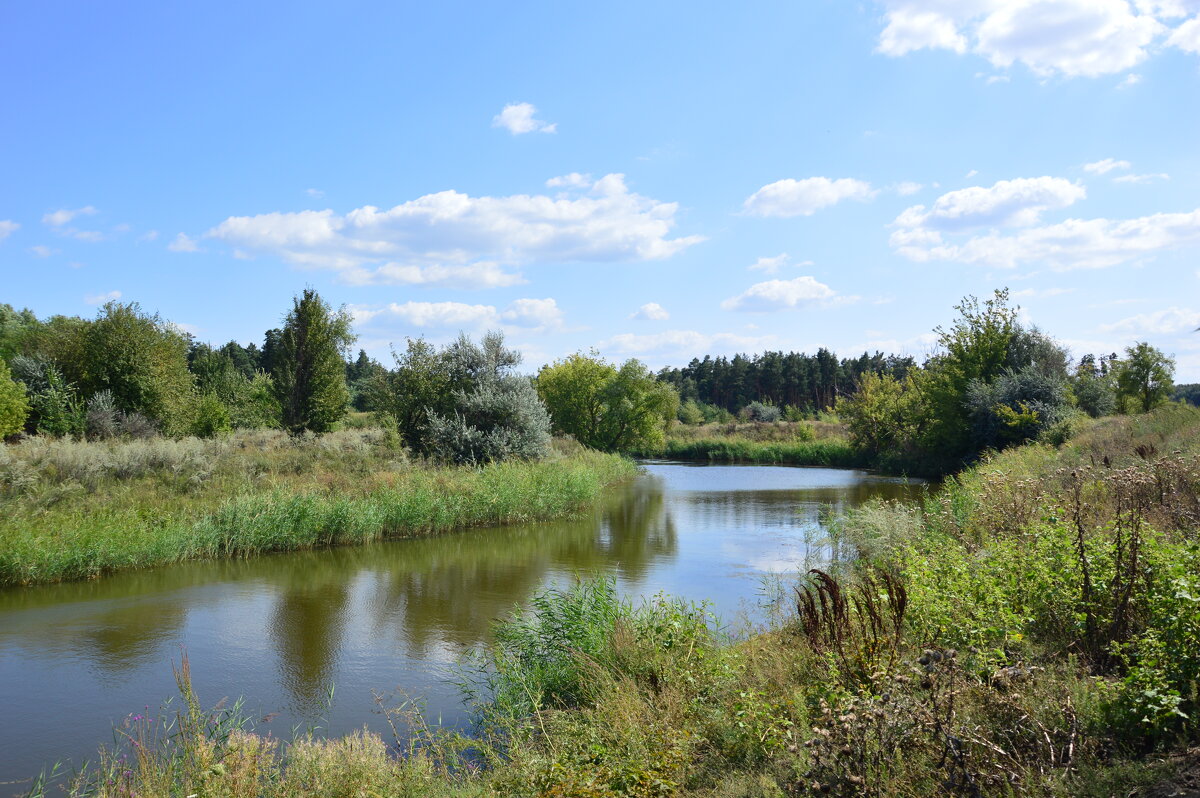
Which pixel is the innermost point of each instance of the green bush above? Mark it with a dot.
(14, 407)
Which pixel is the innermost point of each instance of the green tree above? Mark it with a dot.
(1144, 378)
(419, 384)
(14, 407)
(882, 416)
(310, 372)
(141, 359)
(975, 350)
(606, 407)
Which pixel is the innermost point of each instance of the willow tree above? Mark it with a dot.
(309, 369)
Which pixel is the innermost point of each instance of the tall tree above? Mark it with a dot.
(14, 407)
(309, 370)
(1144, 378)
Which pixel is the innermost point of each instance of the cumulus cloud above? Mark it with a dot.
(1105, 166)
(527, 314)
(770, 265)
(1161, 322)
(805, 197)
(422, 240)
(573, 180)
(7, 228)
(1187, 36)
(908, 188)
(518, 118)
(1007, 203)
(183, 243)
(1072, 244)
(1084, 38)
(780, 295)
(651, 311)
(65, 215)
(683, 343)
(100, 299)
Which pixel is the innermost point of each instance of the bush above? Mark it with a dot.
(763, 413)
(14, 407)
(210, 417)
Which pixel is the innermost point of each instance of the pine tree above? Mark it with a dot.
(309, 370)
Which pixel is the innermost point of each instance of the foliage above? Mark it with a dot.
(14, 407)
(1189, 393)
(757, 411)
(604, 406)
(55, 407)
(142, 361)
(406, 395)
(884, 414)
(1016, 407)
(1144, 378)
(309, 373)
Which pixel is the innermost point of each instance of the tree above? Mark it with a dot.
(975, 350)
(497, 414)
(606, 407)
(1144, 378)
(419, 384)
(883, 414)
(14, 407)
(310, 372)
(141, 359)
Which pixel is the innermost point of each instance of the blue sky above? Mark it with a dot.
(655, 180)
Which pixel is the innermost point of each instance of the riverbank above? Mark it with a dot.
(74, 510)
(1034, 629)
(778, 443)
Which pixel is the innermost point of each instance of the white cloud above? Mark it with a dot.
(573, 180)
(683, 343)
(1161, 322)
(1007, 203)
(517, 118)
(64, 215)
(908, 188)
(994, 79)
(651, 311)
(1150, 178)
(1132, 79)
(1040, 293)
(149, 235)
(416, 241)
(100, 299)
(780, 295)
(971, 174)
(7, 228)
(183, 243)
(43, 251)
(315, 193)
(910, 28)
(804, 197)
(1105, 166)
(1051, 37)
(1187, 36)
(1072, 244)
(770, 265)
(529, 314)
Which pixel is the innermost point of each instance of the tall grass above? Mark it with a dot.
(73, 511)
(782, 443)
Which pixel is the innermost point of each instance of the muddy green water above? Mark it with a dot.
(391, 618)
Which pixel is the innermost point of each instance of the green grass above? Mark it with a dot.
(779, 443)
(84, 513)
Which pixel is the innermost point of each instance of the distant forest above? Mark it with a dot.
(808, 382)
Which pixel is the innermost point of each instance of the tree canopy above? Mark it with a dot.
(309, 369)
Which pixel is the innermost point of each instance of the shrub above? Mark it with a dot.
(210, 417)
(14, 407)
(763, 413)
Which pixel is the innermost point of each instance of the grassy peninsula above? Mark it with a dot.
(78, 509)
(1033, 629)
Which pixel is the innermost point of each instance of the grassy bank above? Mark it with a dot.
(780, 443)
(76, 510)
(1033, 630)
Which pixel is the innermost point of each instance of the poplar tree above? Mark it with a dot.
(309, 369)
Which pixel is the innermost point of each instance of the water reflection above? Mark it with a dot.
(282, 629)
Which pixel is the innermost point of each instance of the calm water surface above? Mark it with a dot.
(390, 618)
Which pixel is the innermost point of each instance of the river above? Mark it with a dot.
(309, 639)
